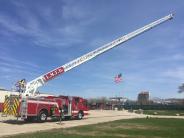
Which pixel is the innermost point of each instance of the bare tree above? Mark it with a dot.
(181, 88)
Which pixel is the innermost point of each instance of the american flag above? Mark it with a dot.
(118, 78)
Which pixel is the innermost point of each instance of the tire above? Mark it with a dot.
(80, 115)
(42, 117)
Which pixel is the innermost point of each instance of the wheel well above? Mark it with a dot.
(44, 110)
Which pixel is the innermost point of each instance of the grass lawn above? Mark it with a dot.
(132, 128)
(164, 112)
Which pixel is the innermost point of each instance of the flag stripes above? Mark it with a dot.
(118, 78)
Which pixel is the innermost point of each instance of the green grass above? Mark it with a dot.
(164, 112)
(132, 128)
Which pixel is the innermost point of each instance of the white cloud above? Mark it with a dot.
(55, 35)
(11, 25)
(10, 61)
(12, 69)
(177, 57)
(176, 73)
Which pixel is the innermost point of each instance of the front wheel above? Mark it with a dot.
(42, 117)
(80, 115)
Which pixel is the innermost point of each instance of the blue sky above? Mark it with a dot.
(37, 36)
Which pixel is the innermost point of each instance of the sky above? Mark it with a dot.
(37, 36)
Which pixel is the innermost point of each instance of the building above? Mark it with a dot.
(3, 93)
(107, 103)
(143, 98)
(117, 102)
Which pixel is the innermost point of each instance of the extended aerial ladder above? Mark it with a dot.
(32, 86)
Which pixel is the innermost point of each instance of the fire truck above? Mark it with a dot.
(29, 104)
(39, 108)
(53, 106)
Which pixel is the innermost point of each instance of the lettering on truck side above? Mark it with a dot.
(53, 73)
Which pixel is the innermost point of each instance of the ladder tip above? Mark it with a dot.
(172, 14)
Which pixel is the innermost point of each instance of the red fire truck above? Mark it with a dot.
(32, 105)
(60, 106)
(39, 108)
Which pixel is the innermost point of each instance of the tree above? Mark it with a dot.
(181, 88)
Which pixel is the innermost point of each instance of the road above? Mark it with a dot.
(10, 126)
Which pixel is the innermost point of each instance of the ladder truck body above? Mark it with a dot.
(30, 100)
